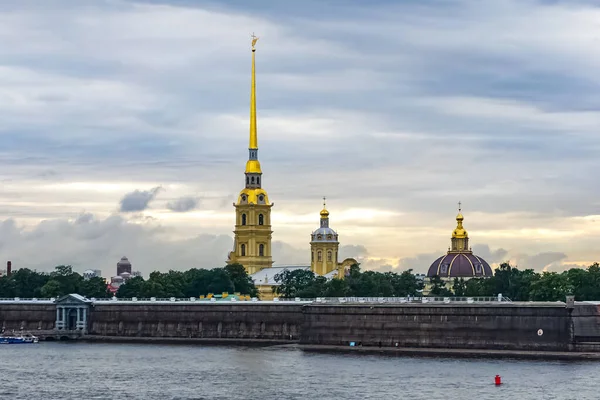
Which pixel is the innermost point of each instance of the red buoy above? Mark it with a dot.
(498, 380)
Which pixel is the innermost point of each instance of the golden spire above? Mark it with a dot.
(324, 212)
(253, 165)
(253, 134)
(459, 232)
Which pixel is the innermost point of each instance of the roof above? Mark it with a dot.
(73, 297)
(266, 276)
(460, 265)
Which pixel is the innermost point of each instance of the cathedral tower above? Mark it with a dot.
(324, 246)
(252, 240)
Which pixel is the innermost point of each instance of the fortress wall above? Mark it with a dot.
(474, 326)
(501, 326)
(218, 321)
(27, 316)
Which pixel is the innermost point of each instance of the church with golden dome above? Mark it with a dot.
(459, 261)
(253, 232)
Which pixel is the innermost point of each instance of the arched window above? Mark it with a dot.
(261, 219)
(319, 256)
(252, 179)
(258, 180)
(329, 255)
(261, 250)
(312, 256)
(243, 249)
(243, 219)
(247, 181)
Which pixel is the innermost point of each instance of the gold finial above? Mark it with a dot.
(254, 40)
(324, 212)
(460, 231)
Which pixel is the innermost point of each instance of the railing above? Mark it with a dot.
(27, 300)
(329, 300)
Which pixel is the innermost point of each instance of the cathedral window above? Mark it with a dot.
(247, 181)
(329, 255)
(329, 237)
(243, 250)
(261, 250)
(252, 180)
(261, 199)
(319, 237)
(312, 256)
(243, 219)
(261, 219)
(319, 256)
(258, 180)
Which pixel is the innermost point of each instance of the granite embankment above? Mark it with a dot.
(400, 327)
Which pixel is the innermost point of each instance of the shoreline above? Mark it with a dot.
(178, 340)
(454, 353)
(369, 350)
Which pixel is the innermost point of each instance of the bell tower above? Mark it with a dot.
(252, 234)
(324, 246)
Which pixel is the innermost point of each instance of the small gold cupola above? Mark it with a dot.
(460, 237)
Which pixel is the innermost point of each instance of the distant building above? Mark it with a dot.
(123, 266)
(124, 273)
(91, 273)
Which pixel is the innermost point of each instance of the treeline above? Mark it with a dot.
(305, 284)
(25, 283)
(527, 285)
(518, 285)
(194, 282)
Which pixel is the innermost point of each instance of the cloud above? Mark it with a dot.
(400, 110)
(541, 261)
(183, 204)
(138, 200)
(491, 256)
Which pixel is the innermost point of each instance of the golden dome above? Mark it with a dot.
(253, 167)
(324, 213)
(459, 232)
(253, 196)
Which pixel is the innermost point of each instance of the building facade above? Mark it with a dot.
(252, 234)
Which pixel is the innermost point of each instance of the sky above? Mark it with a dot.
(124, 129)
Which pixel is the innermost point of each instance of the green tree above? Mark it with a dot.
(132, 288)
(94, 288)
(551, 287)
(459, 287)
(242, 282)
(438, 287)
(296, 283)
(52, 288)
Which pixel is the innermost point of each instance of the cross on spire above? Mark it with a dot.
(324, 201)
(459, 206)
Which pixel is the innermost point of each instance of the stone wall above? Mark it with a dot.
(482, 326)
(27, 316)
(586, 322)
(498, 326)
(222, 321)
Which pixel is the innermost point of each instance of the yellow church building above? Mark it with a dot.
(253, 233)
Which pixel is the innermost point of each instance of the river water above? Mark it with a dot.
(49, 371)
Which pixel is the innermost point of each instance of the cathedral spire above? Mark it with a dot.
(253, 165)
(253, 133)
